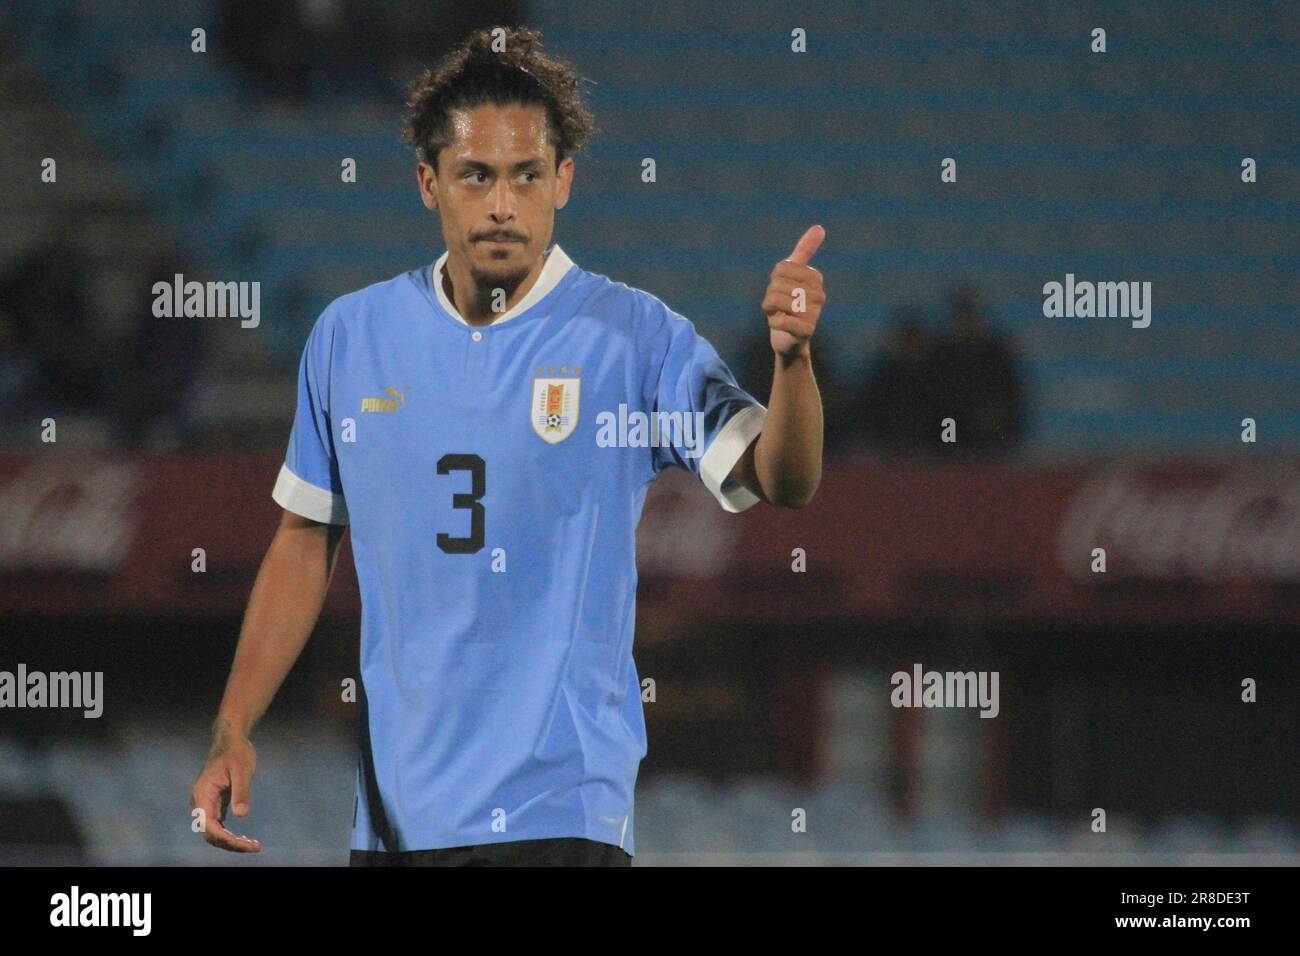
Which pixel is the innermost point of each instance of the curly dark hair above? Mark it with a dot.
(475, 73)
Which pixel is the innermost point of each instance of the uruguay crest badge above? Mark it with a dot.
(554, 410)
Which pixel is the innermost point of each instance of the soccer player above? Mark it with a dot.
(481, 425)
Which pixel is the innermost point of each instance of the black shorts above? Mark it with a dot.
(565, 851)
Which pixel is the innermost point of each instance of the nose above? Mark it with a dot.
(502, 205)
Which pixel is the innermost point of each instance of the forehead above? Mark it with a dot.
(508, 133)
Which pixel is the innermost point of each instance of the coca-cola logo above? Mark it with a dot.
(1236, 525)
(70, 515)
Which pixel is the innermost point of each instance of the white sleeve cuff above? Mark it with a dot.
(730, 443)
(303, 498)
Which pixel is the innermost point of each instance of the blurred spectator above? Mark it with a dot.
(900, 405)
(53, 355)
(980, 378)
(754, 369)
(17, 365)
(841, 414)
(271, 44)
(54, 361)
(159, 363)
(841, 420)
(297, 49)
(420, 34)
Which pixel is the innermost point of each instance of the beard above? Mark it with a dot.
(497, 275)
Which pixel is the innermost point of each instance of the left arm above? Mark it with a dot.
(783, 465)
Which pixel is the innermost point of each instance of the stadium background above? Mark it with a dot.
(1120, 691)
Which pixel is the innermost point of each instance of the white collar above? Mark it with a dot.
(555, 268)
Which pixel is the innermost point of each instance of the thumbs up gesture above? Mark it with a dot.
(794, 298)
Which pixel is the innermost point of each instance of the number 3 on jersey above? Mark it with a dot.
(469, 501)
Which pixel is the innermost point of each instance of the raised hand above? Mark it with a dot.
(794, 297)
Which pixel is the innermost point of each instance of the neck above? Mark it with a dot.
(474, 303)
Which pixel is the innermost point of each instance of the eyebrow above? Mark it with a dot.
(474, 164)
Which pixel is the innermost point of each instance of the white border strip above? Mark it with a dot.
(555, 268)
(303, 498)
(715, 467)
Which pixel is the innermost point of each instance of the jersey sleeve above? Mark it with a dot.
(309, 483)
(704, 420)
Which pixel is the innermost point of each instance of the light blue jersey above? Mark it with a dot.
(493, 477)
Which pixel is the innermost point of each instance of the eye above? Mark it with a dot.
(476, 173)
(532, 176)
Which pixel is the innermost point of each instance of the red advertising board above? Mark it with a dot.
(91, 533)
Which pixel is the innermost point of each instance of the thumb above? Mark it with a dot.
(240, 783)
(808, 245)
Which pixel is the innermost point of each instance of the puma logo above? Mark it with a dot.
(384, 404)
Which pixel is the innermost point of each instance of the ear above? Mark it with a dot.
(427, 180)
(563, 182)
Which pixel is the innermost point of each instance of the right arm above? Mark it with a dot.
(282, 611)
